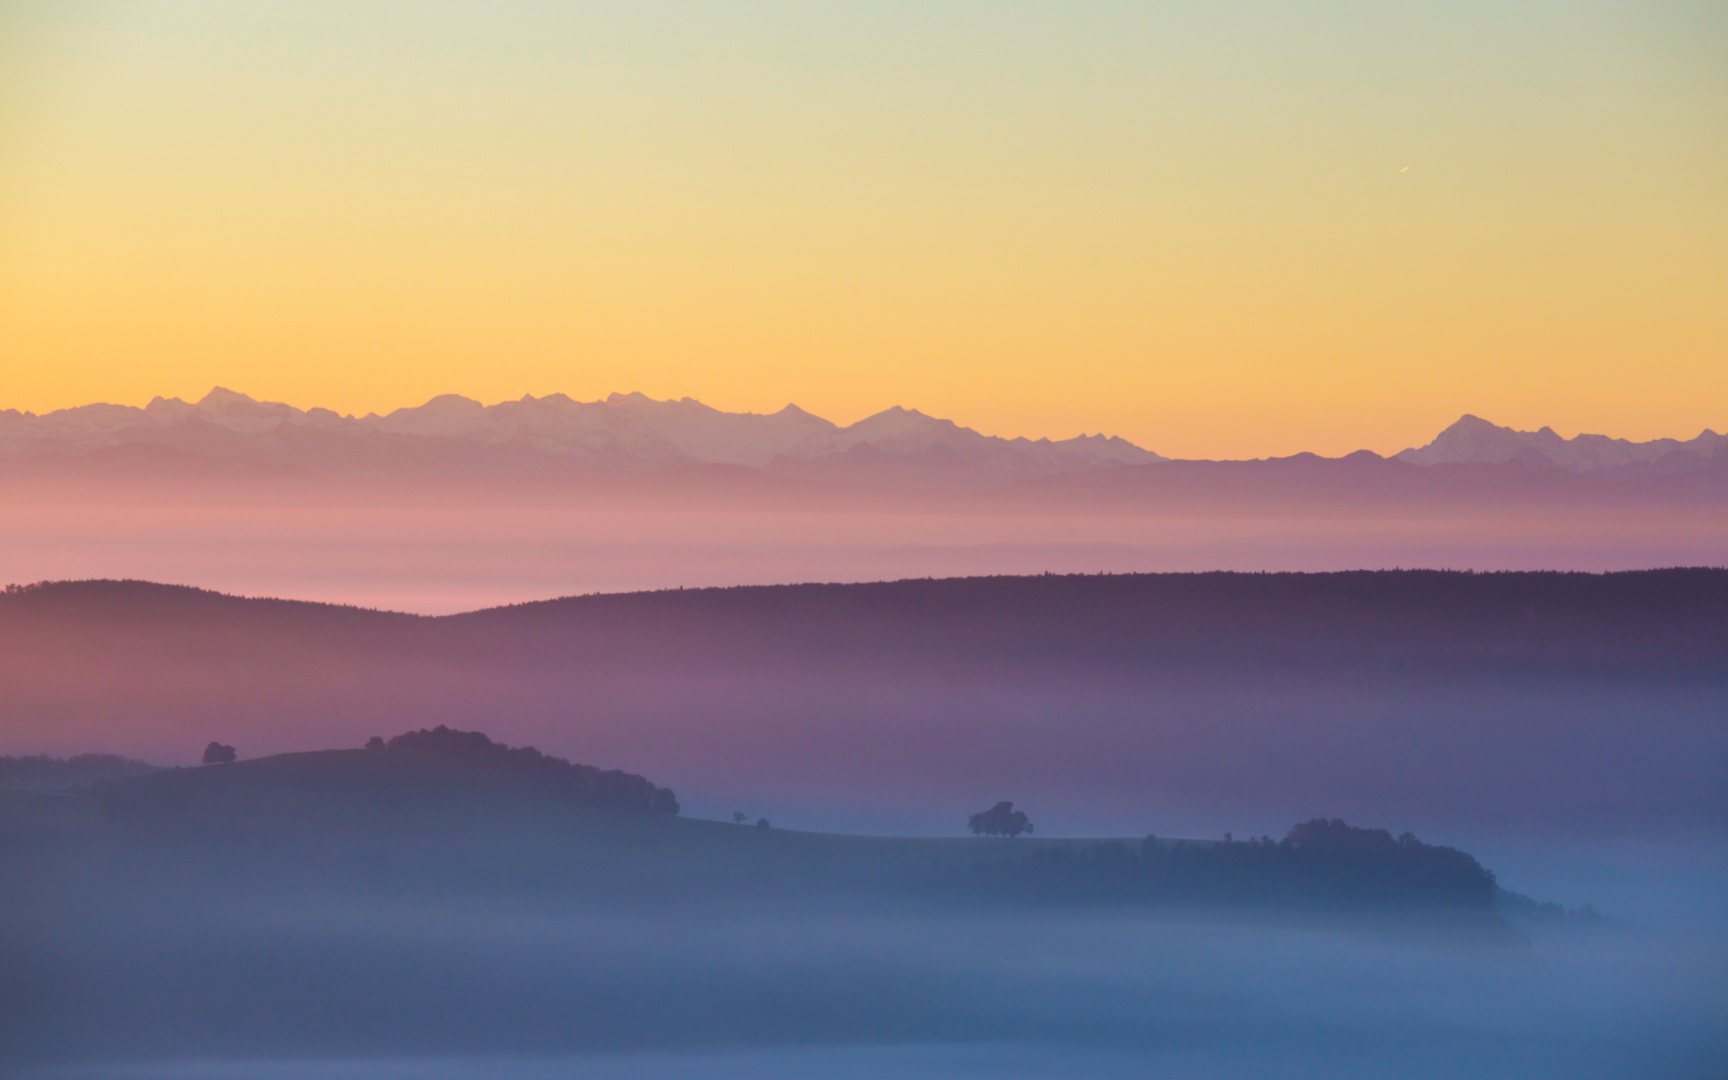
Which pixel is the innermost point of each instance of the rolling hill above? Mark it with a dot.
(1115, 703)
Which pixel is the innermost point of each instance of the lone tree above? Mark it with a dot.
(739, 817)
(1000, 820)
(217, 754)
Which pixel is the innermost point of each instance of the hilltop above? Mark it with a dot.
(430, 766)
(441, 810)
(439, 886)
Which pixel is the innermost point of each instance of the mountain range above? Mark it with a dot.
(896, 447)
(624, 429)
(1474, 441)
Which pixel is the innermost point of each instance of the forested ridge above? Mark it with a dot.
(1555, 700)
(435, 810)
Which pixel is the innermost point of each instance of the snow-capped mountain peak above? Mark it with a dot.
(1472, 440)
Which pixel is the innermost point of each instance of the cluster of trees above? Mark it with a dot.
(40, 770)
(1000, 820)
(473, 754)
(1320, 863)
(218, 754)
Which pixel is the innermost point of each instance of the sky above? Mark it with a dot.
(1228, 229)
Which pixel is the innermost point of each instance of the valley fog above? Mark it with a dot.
(308, 988)
(439, 904)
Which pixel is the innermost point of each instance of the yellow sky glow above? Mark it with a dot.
(1250, 230)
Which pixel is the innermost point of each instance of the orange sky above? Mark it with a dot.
(1250, 229)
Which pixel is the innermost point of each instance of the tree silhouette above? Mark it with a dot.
(217, 754)
(1000, 820)
(739, 817)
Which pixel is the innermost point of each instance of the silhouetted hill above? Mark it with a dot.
(1319, 864)
(1559, 701)
(1669, 620)
(446, 895)
(438, 765)
(439, 811)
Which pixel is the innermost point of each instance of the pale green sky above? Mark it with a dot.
(1219, 229)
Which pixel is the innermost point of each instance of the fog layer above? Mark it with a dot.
(730, 992)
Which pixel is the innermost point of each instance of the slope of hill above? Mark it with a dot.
(467, 813)
(436, 764)
(441, 893)
(1130, 703)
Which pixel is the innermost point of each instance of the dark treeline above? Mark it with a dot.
(1319, 864)
(440, 812)
(409, 787)
(40, 770)
(1668, 620)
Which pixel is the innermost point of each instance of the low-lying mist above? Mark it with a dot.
(437, 545)
(440, 905)
(314, 990)
(341, 911)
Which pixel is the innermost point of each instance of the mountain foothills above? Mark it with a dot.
(896, 447)
(1573, 703)
(454, 810)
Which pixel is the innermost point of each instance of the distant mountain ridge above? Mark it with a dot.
(621, 429)
(897, 447)
(1475, 441)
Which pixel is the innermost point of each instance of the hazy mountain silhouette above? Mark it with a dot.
(540, 432)
(1474, 441)
(633, 427)
(650, 444)
(906, 447)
